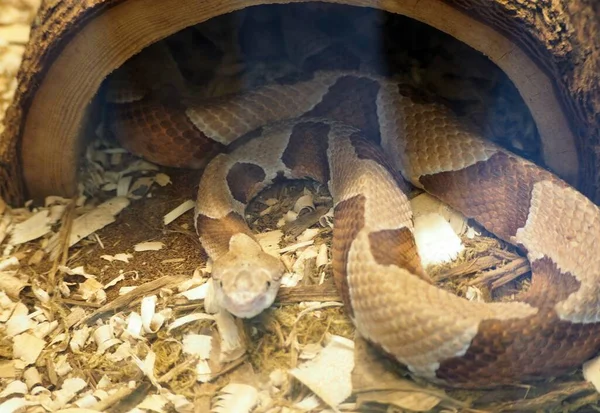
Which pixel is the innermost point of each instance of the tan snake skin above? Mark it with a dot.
(339, 123)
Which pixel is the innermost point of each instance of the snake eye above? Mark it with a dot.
(268, 284)
(220, 283)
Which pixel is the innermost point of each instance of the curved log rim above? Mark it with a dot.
(50, 143)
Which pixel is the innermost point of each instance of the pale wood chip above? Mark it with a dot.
(328, 374)
(15, 33)
(148, 246)
(179, 211)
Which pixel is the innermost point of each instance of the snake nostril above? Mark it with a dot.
(268, 284)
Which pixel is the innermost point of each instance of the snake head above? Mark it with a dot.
(246, 278)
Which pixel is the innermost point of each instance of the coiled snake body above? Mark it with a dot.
(355, 133)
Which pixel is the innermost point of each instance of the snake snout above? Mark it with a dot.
(248, 278)
(246, 289)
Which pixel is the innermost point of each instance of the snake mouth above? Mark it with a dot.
(249, 308)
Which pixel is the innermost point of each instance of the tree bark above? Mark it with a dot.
(564, 38)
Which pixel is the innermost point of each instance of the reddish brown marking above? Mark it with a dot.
(397, 247)
(242, 180)
(537, 346)
(548, 284)
(306, 152)
(349, 220)
(526, 349)
(517, 349)
(352, 100)
(365, 149)
(496, 192)
(160, 131)
(220, 231)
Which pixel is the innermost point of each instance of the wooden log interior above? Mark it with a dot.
(549, 50)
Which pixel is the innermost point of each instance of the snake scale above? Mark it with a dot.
(367, 138)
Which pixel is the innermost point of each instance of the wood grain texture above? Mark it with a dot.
(49, 34)
(75, 44)
(563, 37)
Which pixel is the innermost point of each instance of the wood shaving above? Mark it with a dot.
(147, 367)
(197, 293)
(296, 246)
(123, 186)
(189, 319)
(27, 347)
(68, 391)
(328, 374)
(436, 241)
(270, 241)
(374, 380)
(75, 271)
(200, 346)
(179, 211)
(123, 257)
(153, 403)
(424, 204)
(151, 320)
(96, 219)
(135, 325)
(591, 372)
(114, 281)
(149, 246)
(15, 404)
(11, 285)
(33, 228)
(233, 343)
(322, 256)
(235, 398)
(9, 263)
(32, 377)
(13, 388)
(162, 179)
(308, 234)
(141, 187)
(304, 204)
(18, 323)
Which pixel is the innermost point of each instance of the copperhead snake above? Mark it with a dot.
(365, 136)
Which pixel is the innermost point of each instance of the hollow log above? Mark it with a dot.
(549, 49)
